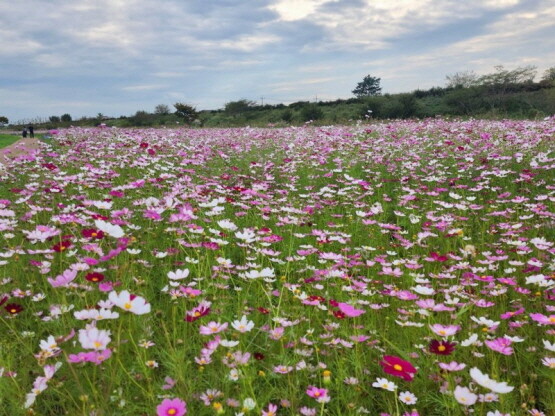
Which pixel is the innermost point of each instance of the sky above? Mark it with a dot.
(115, 57)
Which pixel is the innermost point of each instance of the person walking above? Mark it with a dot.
(24, 132)
(31, 131)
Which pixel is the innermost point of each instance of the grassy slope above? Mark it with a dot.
(7, 139)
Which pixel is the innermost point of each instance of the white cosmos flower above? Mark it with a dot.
(407, 397)
(178, 274)
(227, 225)
(484, 381)
(243, 325)
(548, 345)
(464, 396)
(128, 302)
(383, 383)
(112, 230)
(94, 338)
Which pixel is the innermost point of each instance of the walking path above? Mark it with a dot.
(26, 146)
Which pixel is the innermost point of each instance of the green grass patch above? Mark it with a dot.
(7, 139)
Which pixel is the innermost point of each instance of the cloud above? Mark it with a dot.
(118, 56)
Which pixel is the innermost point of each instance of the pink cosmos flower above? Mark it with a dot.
(349, 310)
(171, 407)
(272, 410)
(63, 279)
(452, 366)
(445, 330)
(321, 395)
(501, 345)
(398, 367)
(212, 327)
(542, 319)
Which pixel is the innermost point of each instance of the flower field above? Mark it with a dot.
(390, 269)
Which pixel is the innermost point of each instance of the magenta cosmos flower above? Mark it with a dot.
(171, 407)
(398, 367)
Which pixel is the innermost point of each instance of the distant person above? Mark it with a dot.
(31, 131)
(24, 132)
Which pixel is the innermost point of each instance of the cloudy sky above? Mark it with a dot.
(119, 56)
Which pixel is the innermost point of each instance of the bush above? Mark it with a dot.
(311, 112)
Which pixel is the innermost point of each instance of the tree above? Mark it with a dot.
(464, 79)
(312, 112)
(187, 112)
(549, 74)
(54, 119)
(236, 108)
(162, 109)
(66, 118)
(4, 120)
(504, 77)
(141, 118)
(370, 86)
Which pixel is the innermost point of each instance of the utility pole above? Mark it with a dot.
(262, 98)
(316, 99)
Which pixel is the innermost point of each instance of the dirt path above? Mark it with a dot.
(21, 147)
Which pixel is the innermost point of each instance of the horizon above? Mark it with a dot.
(117, 57)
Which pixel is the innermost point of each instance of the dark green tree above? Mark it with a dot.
(4, 120)
(54, 119)
(187, 112)
(237, 108)
(66, 118)
(368, 87)
(549, 74)
(162, 109)
(312, 112)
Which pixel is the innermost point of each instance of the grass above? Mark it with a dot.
(339, 215)
(7, 139)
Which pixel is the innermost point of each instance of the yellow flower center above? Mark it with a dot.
(397, 367)
(441, 348)
(442, 332)
(127, 305)
(552, 319)
(97, 344)
(172, 411)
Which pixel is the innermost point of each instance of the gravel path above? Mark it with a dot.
(21, 147)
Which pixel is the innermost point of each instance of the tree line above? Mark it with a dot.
(501, 93)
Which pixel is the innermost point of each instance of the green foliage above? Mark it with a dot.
(54, 119)
(186, 112)
(464, 79)
(162, 109)
(311, 112)
(4, 120)
(141, 118)
(368, 87)
(287, 115)
(66, 118)
(238, 108)
(549, 74)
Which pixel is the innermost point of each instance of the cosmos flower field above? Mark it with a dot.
(390, 269)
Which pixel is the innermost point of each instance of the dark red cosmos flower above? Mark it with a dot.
(144, 145)
(398, 367)
(197, 313)
(3, 299)
(339, 314)
(13, 308)
(442, 347)
(95, 277)
(92, 233)
(262, 310)
(99, 217)
(62, 246)
(258, 356)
